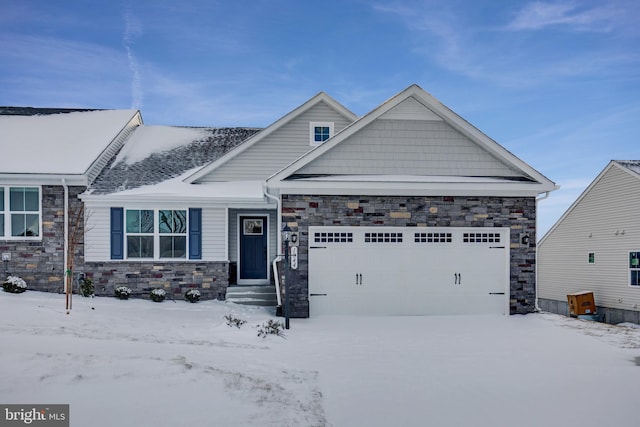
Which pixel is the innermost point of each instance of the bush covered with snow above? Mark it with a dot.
(192, 295)
(14, 285)
(86, 287)
(158, 295)
(122, 292)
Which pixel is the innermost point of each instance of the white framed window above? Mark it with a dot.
(20, 213)
(140, 233)
(319, 132)
(156, 234)
(172, 226)
(634, 268)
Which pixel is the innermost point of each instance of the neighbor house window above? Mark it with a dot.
(634, 268)
(592, 257)
(173, 233)
(20, 212)
(320, 132)
(140, 234)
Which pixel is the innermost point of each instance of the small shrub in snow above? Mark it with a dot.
(192, 295)
(158, 295)
(14, 285)
(86, 287)
(271, 328)
(234, 321)
(122, 292)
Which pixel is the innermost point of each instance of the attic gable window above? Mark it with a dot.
(320, 132)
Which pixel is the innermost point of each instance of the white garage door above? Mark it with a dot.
(408, 270)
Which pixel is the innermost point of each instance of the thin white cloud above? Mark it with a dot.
(540, 15)
(132, 29)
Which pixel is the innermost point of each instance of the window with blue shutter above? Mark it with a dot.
(195, 233)
(117, 233)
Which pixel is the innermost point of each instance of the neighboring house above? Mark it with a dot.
(406, 210)
(595, 246)
(49, 156)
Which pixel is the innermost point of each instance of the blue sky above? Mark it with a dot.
(555, 82)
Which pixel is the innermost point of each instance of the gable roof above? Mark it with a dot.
(155, 154)
(412, 104)
(319, 98)
(46, 144)
(631, 167)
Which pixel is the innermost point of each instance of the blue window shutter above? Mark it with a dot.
(117, 233)
(195, 233)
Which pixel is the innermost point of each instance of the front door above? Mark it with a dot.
(253, 262)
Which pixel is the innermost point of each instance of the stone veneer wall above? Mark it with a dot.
(517, 213)
(41, 263)
(211, 278)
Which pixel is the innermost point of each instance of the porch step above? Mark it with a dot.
(263, 295)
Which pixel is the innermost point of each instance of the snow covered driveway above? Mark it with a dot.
(138, 363)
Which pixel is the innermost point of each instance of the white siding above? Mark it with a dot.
(214, 234)
(278, 149)
(611, 205)
(410, 109)
(408, 147)
(98, 234)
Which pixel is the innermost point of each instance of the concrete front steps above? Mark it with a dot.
(262, 295)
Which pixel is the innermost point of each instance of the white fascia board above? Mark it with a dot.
(43, 179)
(381, 188)
(269, 130)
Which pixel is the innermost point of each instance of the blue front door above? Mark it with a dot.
(253, 248)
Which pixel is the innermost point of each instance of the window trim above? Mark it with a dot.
(312, 133)
(631, 269)
(156, 235)
(7, 212)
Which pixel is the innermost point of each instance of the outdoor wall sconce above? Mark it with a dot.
(525, 239)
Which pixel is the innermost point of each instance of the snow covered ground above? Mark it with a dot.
(139, 363)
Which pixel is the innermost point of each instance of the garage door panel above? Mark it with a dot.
(408, 271)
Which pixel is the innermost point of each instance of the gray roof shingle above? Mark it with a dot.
(164, 165)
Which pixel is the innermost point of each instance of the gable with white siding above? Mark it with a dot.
(415, 145)
(278, 145)
(603, 221)
(409, 140)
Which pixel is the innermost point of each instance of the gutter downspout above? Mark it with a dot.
(278, 257)
(536, 306)
(66, 236)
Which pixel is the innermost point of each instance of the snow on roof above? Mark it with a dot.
(154, 154)
(633, 165)
(146, 140)
(65, 143)
(176, 188)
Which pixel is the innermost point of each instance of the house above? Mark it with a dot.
(49, 156)
(408, 209)
(595, 246)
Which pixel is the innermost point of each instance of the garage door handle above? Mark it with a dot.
(457, 278)
(358, 279)
(317, 295)
(496, 293)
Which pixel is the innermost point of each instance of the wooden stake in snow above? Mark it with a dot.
(76, 234)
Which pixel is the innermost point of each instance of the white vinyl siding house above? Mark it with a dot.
(602, 226)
